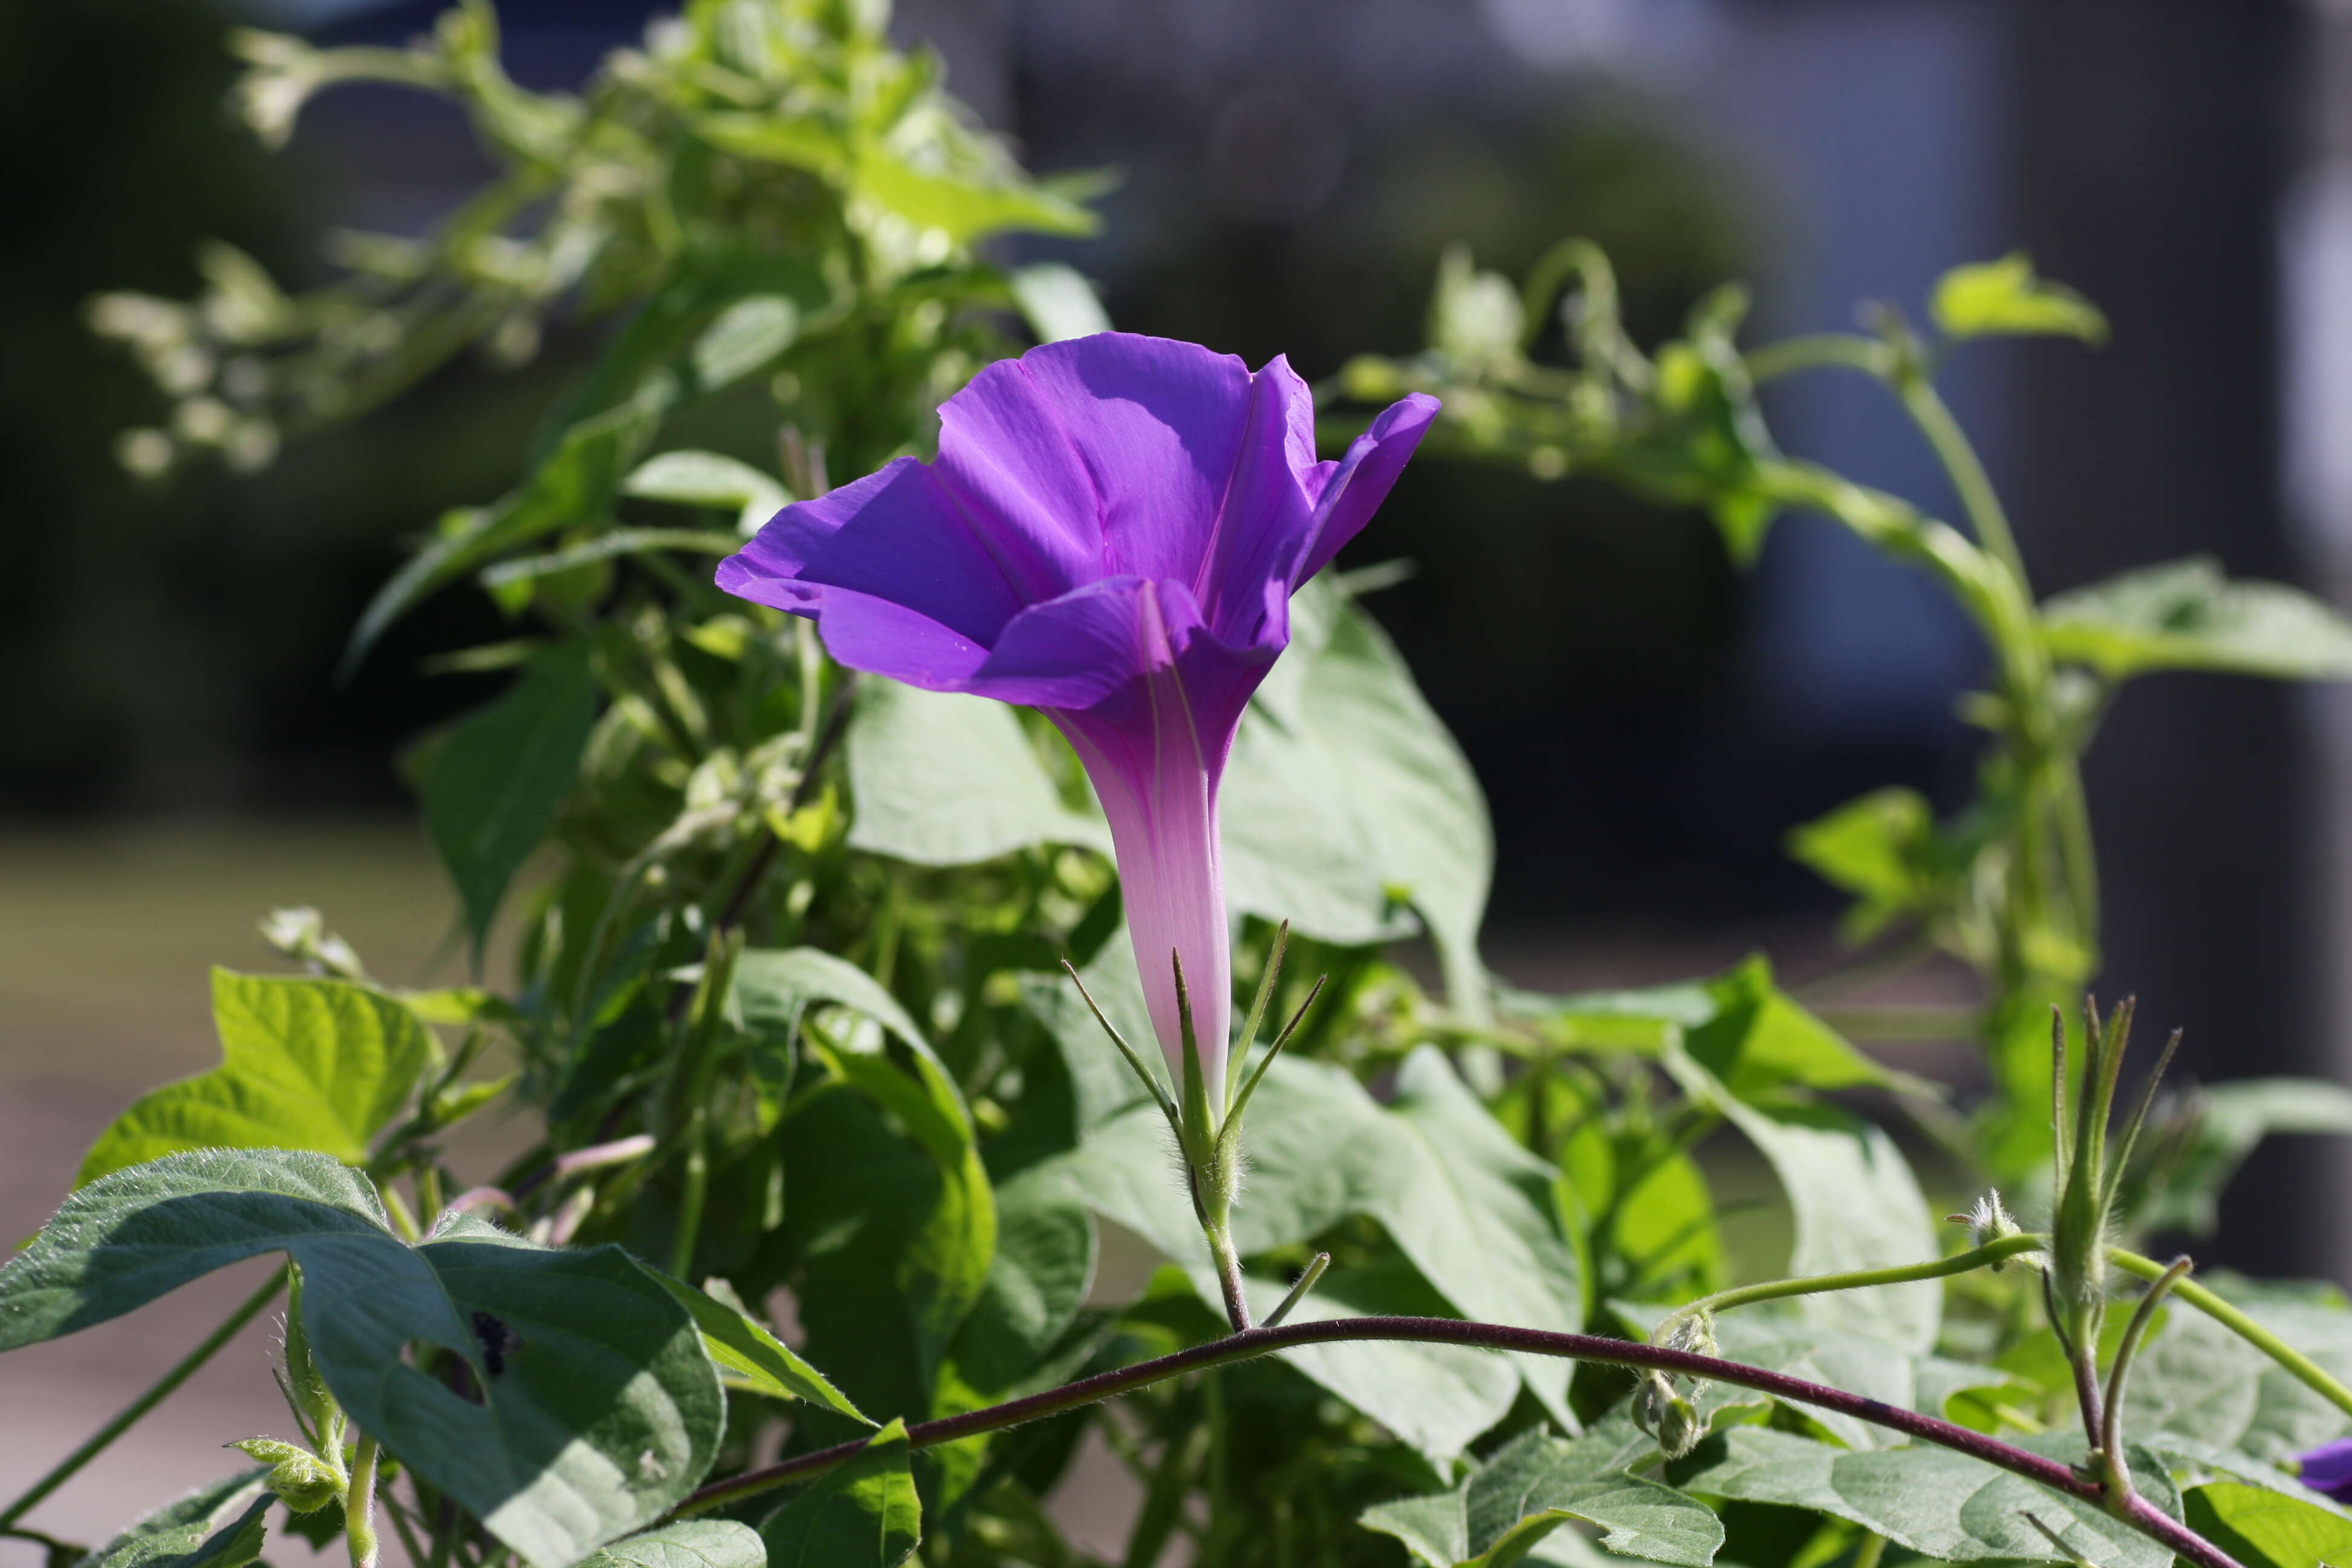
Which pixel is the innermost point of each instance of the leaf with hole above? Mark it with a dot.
(588, 1406)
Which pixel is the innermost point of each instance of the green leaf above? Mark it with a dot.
(1037, 1281)
(2230, 1120)
(602, 1410)
(1931, 1499)
(218, 1526)
(744, 338)
(573, 485)
(323, 1065)
(2261, 1529)
(907, 1248)
(686, 1544)
(1346, 793)
(2185, 614)
(774, 986)
(2004, 297)
(1101, 1085)
(707, 478)
(750, 1358)
(2199, 1382)
(1468, 1207)
(1757, 1041)
(1882, 848)
(965, 210)
(861, 1514)
(947, 780)
(1534, 1485)
(492, 786)
(605, 547)
(1854, 1202)
(1057, 303)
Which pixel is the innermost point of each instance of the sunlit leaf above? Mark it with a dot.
(323, 1065)
(860, 1514)
(2185, 614)
(2005, 296)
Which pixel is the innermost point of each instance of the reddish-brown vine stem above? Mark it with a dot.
(2136, 1511)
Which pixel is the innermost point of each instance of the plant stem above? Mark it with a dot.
(1867, 1555)
(2111, 1428)
(1991, 1252)
(2305, 1370)
(1969, 482)
(1229, 1276)
(359, 1506)
(156, 1393)
(2139, 1514)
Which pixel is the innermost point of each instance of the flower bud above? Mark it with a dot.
(303, 1481)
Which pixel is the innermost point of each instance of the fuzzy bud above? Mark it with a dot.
(305, 1482)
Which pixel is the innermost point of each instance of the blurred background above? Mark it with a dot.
(175, 756)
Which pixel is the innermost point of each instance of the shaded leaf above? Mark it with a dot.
(947, 780)
(749, 1357)
(490, 787)
(1468, 1207)
(1931, 1499)
(2185, 614)
(1534, 1485)
(573, 484)
(1346, 793)
(1854, 1203)
(1037, 1280)
(323, 1065)
(218, 1526)
(600, 1410)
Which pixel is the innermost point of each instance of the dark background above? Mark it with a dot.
(1647, 724)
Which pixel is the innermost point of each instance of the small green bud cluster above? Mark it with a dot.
(1673, 1419)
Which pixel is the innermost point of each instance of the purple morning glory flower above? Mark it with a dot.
(1111, 533)
(2328, 1468)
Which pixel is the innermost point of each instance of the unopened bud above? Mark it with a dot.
(302, 1480)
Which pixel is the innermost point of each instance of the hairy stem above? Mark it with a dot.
(156, 1393)
(2305, 1370)
(359, 1506)
(1229, 1276)
(2139, 1514)
(2111, 1429)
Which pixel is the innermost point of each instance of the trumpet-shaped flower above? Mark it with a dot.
(1111, 533)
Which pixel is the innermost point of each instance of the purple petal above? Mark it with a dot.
(1073, 651)
(2328, 1468)
(895, 534)
(874, 635)
(1354, 487)
(1153, 426)
(1264, 519)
